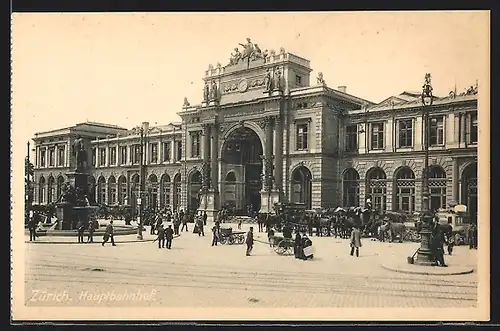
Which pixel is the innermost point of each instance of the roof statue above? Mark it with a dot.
(320, 79)
(250, 52)
(186, 102)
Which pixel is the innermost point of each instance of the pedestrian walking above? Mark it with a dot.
(169, 235)
(249, 241)
(200, 230)
(259, 223)
(215, 234)
(109, 234)
(184, 223)
(161, 237)
(239, 223)
(355, 241)
(91, 229)
(80, 227)
(32, 226)
(297, 247)
(205, 217)
(177, 224)
(437, 242)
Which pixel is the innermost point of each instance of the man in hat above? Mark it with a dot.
(161, 236)
(109, 234)
(91, 229)
(355, 240)
(249, 241)
(80, 227)
(169, 235)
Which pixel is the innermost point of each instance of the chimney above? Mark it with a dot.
(342, 89)
(145, 126)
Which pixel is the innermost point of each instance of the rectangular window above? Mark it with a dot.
(167, 150)
(123, 154)
(179, 150)
(473, 129)
(302, 137)
(153, 153)
(102, 156)
(112, 155)
(94, 156)
(436, 134)
(377, 136)
(112, 194)
(298, 80)
(405, 133)
(42, 157)
(51, 157)
(61, 158)
(195, 144)
(137, 154)
(351, 139)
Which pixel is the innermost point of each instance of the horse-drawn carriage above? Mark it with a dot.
(227, 236)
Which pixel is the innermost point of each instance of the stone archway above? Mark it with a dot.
(302, 186)
(469, 189)
(241, 155)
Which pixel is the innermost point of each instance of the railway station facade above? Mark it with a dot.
(265, 131)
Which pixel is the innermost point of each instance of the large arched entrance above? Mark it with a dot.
(302, 186)
(194, 190)
(376, 187)
(177, 192)
(242, 156)
(469, 189)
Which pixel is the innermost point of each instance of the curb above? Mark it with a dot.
(433, 271)
(86, 243)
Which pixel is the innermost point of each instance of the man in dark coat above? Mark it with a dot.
(169, 235)
(215, 233)
(437, 241)
(184, 222)
(200, 227)
(205, 217)
(109, 234)
(80, 227)
(310, 226)
(355, 241)
(297, 248)
(161, 237)
(91, 229)
(287, 231)
(32, 223)
(249, 241)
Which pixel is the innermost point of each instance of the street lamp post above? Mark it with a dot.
(29, 191)
(142, 187)
(424, 254)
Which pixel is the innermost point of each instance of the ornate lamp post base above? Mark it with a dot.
(424, 254)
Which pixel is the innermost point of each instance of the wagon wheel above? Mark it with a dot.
(241, 239)
(280, 248)
(285, 247)
(223, 240)
(324, 231)
(230, 240)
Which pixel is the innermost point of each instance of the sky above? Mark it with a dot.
(126, 68)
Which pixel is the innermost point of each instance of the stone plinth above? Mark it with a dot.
(64, 214)
(209, 203)
(267, 200)
(79, 180)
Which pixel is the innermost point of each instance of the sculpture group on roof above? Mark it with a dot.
(251, 52)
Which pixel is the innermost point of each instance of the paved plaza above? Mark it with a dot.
(195, 274)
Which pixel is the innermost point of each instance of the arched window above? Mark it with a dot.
(60, 184)
(350, 183)
(101, 189)
(177, 191)
(194, 190)
(302, 186)
(405, 190)
(437, 187)
(41, 190)
(376, 187)
(469, 189)
(122, 190)
(165, 191)
(51, 190)
(112, 190)
(152, 191)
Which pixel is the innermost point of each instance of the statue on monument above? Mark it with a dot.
(248, 49)
(277, 79)
(267, 80)
(235, 58)
(320, 79)
(213, 91)
(186, 102)
(205, 171)
(80, 154)
(257, 53)
(206, 92)
(265, 56)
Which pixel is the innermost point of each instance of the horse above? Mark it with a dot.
(393, 229)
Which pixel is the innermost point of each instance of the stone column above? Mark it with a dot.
(462, 129)
(278, 170)
(454, 181)
(206, 156)
(214, 182)
(68, 154)
(268, 152)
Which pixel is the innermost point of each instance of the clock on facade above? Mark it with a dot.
(243, 85)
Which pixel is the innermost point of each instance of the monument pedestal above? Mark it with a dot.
(64, 214)
(268, 199)
(209, 203)
(79, 180)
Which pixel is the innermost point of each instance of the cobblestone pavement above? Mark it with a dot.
(195, 274)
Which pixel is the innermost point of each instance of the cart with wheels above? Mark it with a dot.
(283, 246)
(228, 237)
